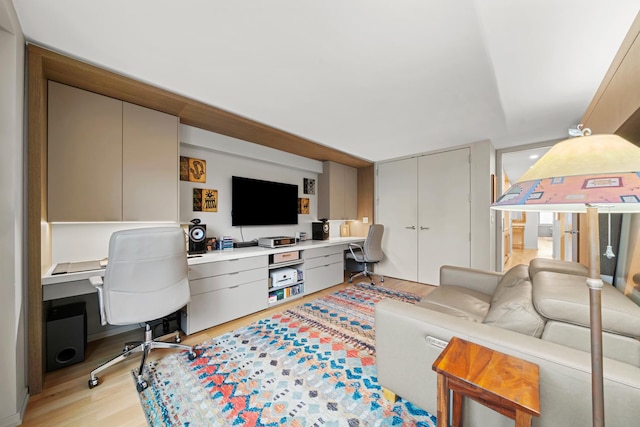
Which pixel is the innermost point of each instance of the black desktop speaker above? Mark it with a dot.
(66, 335)
(320, 230)
(197, 237)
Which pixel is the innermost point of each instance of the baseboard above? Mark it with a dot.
(14, 420)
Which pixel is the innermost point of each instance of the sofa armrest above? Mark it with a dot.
(406, 347)
(477, 280)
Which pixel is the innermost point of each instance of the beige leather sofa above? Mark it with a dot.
(539, 313)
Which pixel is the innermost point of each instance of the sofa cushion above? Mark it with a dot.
(565, 298)
(457, 301)
(568, 267)
(512, 306)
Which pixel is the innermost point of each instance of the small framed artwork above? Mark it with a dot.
(303, 205)
(309, 186)
(205, 200)
(193, 170)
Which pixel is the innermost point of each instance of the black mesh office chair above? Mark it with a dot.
(369, 253)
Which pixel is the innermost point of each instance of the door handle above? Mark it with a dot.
(413, 227)
(424, 228)
(571, 231)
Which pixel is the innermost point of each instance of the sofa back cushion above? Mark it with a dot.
(565, 298)
(511, 305)
(568, 267)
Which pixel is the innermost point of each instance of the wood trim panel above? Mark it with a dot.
(36, 209)
(365, 202)
(615, 108)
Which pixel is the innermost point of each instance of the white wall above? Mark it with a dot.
(13, 372)
(483, 219)
(226, 157)
(531, 230)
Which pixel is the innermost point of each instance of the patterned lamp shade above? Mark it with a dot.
(600, 170)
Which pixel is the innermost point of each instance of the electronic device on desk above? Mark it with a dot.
(276, 242)
(245, 244)
(197, 237)
(320, 230)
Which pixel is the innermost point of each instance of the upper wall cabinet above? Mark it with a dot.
(109, 160)
(338, 192)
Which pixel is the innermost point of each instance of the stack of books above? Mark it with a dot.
(227, 243)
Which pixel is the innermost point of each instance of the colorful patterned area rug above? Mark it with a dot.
(311, 365)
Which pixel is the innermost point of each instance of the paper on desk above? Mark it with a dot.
(75, 267)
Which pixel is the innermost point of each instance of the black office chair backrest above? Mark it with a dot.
(373, 244)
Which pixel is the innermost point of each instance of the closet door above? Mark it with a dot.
(397, 211)
(444, 213)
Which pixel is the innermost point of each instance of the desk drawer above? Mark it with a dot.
(208, 284)
(321, 252)
(324, 260)
(323, 277)
(216, 268)
(213, 308)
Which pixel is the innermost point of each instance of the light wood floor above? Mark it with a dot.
(66, 399)
(524, 256)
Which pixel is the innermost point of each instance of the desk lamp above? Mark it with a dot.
(579, 175)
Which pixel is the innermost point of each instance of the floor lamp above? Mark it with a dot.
(579, 175)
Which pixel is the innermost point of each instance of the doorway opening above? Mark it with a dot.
(523, 236)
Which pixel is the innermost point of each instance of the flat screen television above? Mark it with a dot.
(258, 202)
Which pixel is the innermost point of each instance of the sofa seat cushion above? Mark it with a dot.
(512, 306)
(457, 301)
(568, 267)
(565, 298)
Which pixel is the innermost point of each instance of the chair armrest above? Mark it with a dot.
(477, 280)
(97, 282)
(355, 257)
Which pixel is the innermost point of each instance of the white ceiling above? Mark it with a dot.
(378, 79)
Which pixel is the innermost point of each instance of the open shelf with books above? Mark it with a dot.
(286, 279)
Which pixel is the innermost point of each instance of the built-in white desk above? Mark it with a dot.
(229, 283)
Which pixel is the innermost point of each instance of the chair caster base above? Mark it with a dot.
(93, 382)
(141, 385)
(193, 355)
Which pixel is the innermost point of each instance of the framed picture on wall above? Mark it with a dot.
(303, 205)
(309, 186)
(193, 170)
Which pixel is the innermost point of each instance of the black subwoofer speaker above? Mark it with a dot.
(66, 335)
(197, 237)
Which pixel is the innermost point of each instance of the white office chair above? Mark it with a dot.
(370, 253)
(145, 279)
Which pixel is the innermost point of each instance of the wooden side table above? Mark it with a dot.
(501, 382)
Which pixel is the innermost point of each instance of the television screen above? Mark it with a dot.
(258, 202)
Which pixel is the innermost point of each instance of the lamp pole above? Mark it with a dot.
(594, 282)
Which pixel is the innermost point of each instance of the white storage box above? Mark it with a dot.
(286, 256)
(283, 277)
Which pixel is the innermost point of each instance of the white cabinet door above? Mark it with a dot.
(150, 165)
(444, 213)
(338, 192)
(398, 211)
(84, 155)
